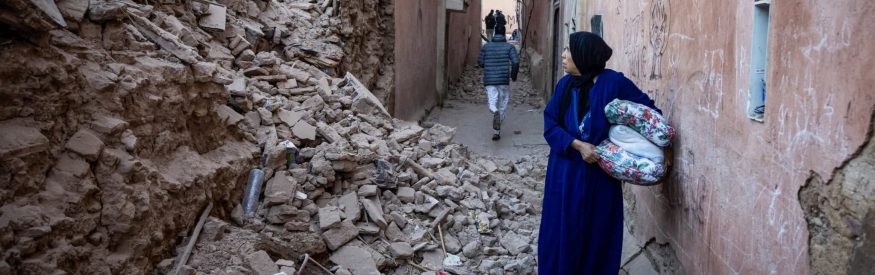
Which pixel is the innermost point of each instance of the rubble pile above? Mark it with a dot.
(123, 119)
(371, 194)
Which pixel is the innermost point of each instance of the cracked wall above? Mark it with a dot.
(840, 212)
(732, 203)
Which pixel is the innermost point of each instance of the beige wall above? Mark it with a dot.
(463, 39)
(732, 204)
(415, 57)
(537, 35)
(508, 7)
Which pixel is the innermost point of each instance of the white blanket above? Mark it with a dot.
(634, 143)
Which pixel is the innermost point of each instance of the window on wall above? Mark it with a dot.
(756, 104)
(596, 24)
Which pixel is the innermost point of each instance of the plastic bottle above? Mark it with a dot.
(253, 192)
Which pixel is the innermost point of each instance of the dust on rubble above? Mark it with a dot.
(123, 119)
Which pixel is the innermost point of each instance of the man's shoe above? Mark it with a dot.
(496, 137)
(496, 121)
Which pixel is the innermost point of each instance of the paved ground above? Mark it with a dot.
(466, 110)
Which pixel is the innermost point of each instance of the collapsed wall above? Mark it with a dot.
(121, 121)
(368, 31)
(114, 128)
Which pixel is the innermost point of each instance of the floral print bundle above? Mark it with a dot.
(622, 164)
(627, 167)
(646, 121)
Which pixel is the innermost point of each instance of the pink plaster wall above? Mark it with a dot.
(731, 206)
(415, 57)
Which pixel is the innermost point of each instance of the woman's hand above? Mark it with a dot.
(587, 151)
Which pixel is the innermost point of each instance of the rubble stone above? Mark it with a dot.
(406, 194)
(108, 125)
(401, 250)
(471, 249)
(338, 236)
(261, 264)
(304, 130)
(515, 243)
(375, 212)
(280, 189)
(368, 190)
(351, 208)
(357, 259)
(86, 144)
(18, 140)
(329, 217)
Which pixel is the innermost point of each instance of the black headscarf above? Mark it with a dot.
(590, 53)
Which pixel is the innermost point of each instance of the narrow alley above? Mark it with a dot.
(348, 137)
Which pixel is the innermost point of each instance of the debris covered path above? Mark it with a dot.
(467, 111)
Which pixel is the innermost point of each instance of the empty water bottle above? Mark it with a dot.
(253, 192)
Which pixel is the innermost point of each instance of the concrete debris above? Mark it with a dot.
(352, 210)
(19, 140)
(86, 144)
(337, 237)
(232, 81)
(357, 259)
(329, 217)
(375, 212)
(401, 250)
(261, 264)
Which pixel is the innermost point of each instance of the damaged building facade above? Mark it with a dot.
(772, 102)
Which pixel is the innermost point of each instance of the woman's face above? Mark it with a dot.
(568, 63)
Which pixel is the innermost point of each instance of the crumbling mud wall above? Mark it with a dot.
(369, 40)
(105, 157)
(121, 120)
(840, 212)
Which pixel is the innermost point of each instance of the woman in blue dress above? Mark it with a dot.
(582, 222)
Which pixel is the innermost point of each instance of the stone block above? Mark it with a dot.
(280, 189)
(17, 140)
(108, 125)
(357, 259)
(401, 250)
(228, 115)
(86, 144)
(515, 243)
(351, 208)
(261, 264)
(368, 190)
(375, 212)
(329, 217)
(304, 130)
(336, 237)
(406, 194)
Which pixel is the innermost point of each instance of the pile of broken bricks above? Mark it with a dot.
(369, 194)
(375, 195)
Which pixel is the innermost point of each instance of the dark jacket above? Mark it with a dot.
(497, 58)
(500, 20)
(490, 21)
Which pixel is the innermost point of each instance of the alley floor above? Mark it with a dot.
(467, 111)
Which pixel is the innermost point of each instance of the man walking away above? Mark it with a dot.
(500, 21)
(500, 63)
(490, 25)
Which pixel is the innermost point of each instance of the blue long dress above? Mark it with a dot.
(582, 221)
